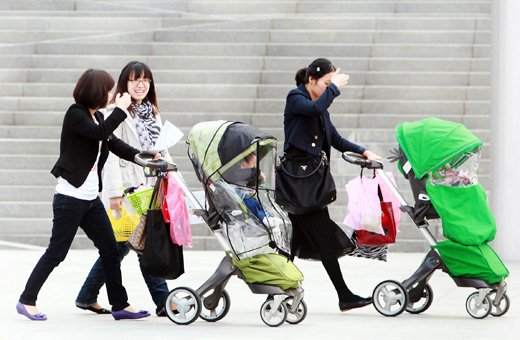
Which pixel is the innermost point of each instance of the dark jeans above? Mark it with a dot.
(91, 216)
(96, 279)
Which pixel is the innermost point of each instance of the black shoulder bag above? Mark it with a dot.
(304, 184)
(161, 257)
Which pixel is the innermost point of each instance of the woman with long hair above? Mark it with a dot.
(140, 130)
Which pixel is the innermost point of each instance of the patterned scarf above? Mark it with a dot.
(147, 128)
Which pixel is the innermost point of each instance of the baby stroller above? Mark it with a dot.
(440, 160)
(235, 163)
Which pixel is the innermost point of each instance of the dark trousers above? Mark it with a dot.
(96, 279)
(91, 216)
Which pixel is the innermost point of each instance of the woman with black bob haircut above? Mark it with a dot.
(140, 130)
(86, 139)
(308, 131)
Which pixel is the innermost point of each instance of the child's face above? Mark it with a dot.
(251, 163)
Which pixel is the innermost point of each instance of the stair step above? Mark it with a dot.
(399, 50)
(323, 36)
(42, 68)
(383, 23)
(37, 162)
(45, 178)
(221, 107)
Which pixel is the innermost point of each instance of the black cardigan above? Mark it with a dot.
(79, 144)
(307, 124)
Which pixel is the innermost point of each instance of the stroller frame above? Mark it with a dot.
(391, 298)
(184, 305)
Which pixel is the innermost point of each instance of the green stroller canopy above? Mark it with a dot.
(430, 143)
(217, 145)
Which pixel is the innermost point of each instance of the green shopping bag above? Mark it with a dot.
(480, 261)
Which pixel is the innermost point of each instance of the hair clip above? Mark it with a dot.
(318, 69)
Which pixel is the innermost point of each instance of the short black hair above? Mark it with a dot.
(92, 88)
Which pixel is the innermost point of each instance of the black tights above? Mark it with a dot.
(331, 264)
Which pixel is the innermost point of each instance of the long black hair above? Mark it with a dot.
(317, 69)
(136, 70)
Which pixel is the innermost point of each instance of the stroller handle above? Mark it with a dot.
(145, 159)
(362, 161)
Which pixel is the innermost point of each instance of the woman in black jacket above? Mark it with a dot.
(86, 139)
(308, 131)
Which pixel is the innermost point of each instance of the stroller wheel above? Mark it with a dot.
(300, 312)
(476, 309)
(212, 310)
(183, 305)
(500, 308)
(420, 303)
(272, 316)
(390, 298)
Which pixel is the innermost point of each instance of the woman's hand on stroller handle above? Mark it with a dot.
(147, 159)
(362, 161)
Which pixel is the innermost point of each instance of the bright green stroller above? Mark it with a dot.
(440, 159)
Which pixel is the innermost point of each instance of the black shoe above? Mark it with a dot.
(161, 312)
(358, 302)
(96, 310)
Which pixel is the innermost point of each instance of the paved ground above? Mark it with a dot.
(446, 319)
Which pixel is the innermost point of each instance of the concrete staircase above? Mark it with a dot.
(235, 60)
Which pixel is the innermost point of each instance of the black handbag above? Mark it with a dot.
(304, 184)
(161, 257)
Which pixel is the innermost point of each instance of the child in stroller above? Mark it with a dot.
(235, 163)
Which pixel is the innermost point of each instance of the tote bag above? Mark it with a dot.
(161, 257)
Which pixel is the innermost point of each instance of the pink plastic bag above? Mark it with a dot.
(364, 205)
(176, 213)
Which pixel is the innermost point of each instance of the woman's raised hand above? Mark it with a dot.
(339, 79)
(123, 101)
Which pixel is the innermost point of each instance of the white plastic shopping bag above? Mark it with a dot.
(364, 205)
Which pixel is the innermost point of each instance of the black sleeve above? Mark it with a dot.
(121, 149)
(301, 105)
(341, 144)
(82, 124)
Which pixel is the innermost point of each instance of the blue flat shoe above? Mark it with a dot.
(20, 308)
(124, 314)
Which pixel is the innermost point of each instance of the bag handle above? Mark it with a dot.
(155, 194)
(123, 213)
(282, 159)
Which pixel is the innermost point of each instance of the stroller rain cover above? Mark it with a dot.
(235, 163)
(447, 154)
